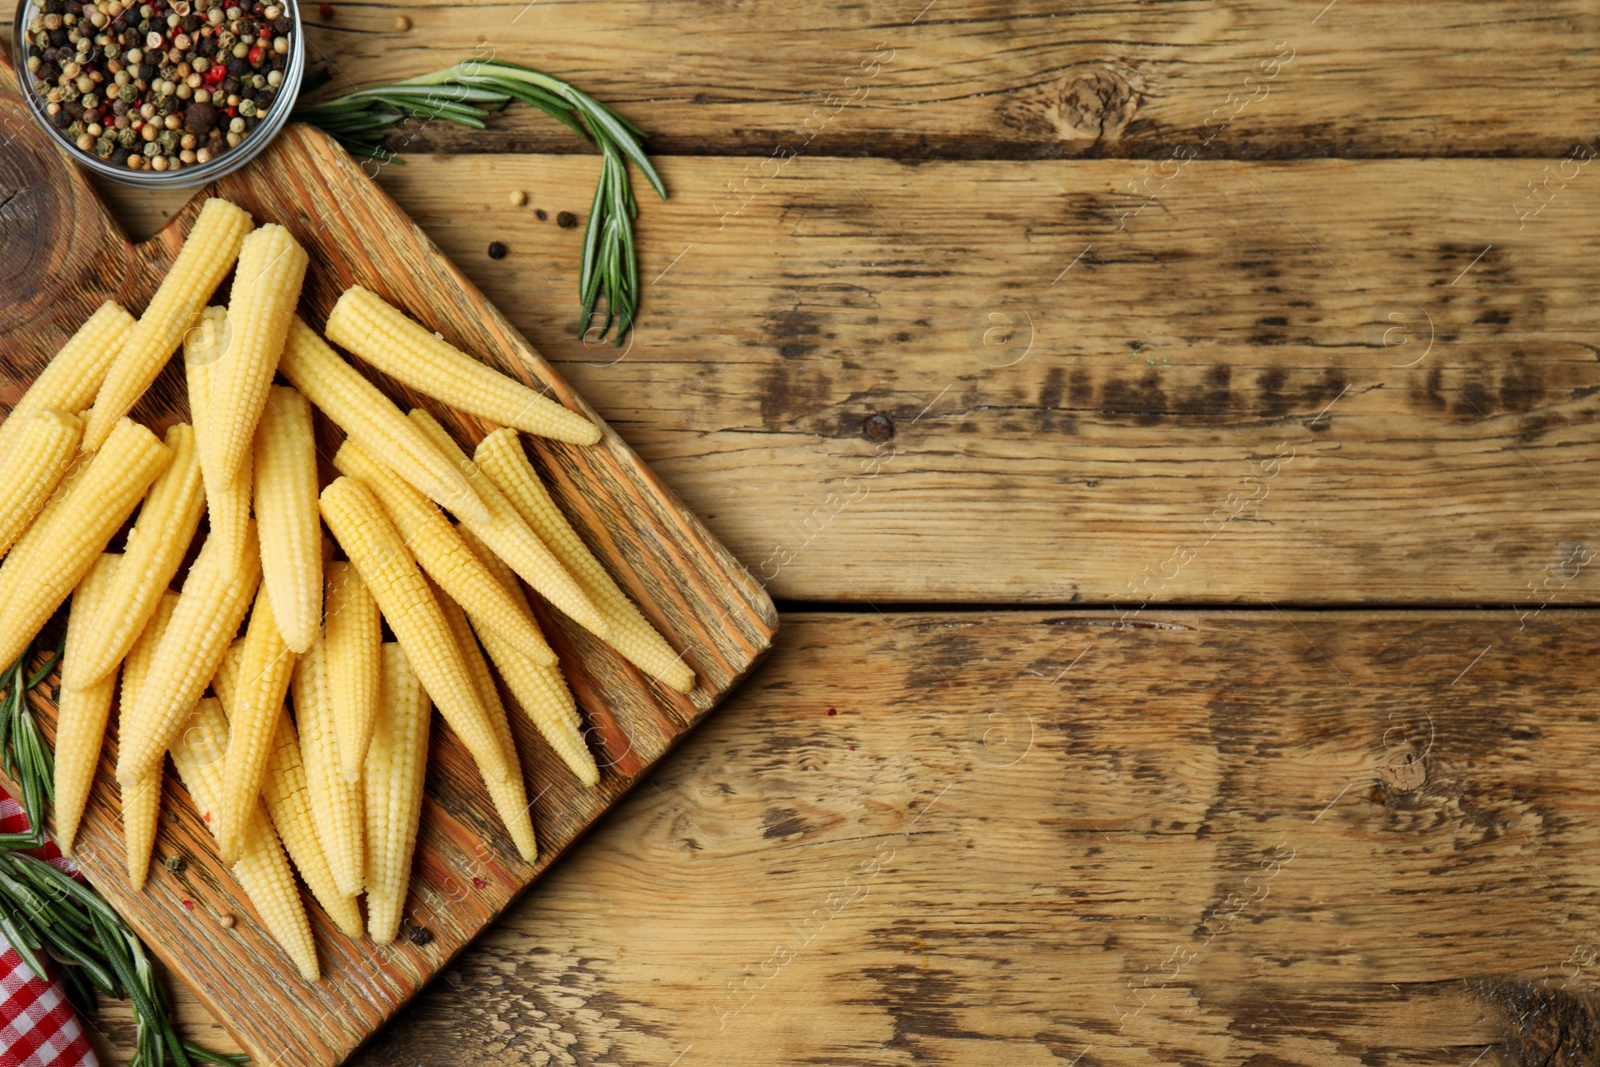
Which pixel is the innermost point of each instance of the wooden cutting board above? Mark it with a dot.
(61, 255)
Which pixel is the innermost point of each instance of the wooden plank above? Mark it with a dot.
(60, 256)
(1071, 822)
(1036, 79)
(1117, 368)
(1426, 359)
(1163, 349)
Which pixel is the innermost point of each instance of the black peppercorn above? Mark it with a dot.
(238, 68)
(230, 86)
(207, 47)
(282, 25)
(263, 99)
(57, 37)
(119, 156)
(190, 23)
(566, 220)
(200, 119)
(497, 250)
(54, 7)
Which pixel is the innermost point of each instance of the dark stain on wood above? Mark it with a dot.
(781, 823)
(1053, 389)
(1270, 382)
(789, 391)
(1544, 1025)
(797, 331)
(1081, 391)
(923, 1000)
(1144, 401)
(1214, 395)
(1521, 386)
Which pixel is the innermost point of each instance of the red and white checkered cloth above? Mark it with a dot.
(38, 1026)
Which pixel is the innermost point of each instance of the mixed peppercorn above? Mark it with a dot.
(159, 85)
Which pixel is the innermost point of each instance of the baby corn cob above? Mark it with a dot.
(136, 668)
(265, 666)
(141, 815)
(369, 539)
(511, 538)
(266, 287)
(385, 337)
(542, 691)
(352, 641)
(336, 803)
(372, 421)
(208, 254)
(397, 760)
(214, 600)
(227, 502)
(141, 801)
(501, 457)
(50, 559)
(156, 545)
(81, 713)
(262, 869)
(38, 451)
(67, 384)
(288, 799)
(510, 796)
(286, 516)
(70, 380)
(440, 550)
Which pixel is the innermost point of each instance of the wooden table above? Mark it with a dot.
(1167, 430)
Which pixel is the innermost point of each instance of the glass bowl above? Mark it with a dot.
(186, 177)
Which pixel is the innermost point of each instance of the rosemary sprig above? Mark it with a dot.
(466, 94)
(43, 912)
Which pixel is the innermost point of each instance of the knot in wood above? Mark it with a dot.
(34, 187)
(1094, 102)
(1404, 771)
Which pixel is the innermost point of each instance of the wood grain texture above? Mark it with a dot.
(1071, 819)
(975, 79)
(844, 376)
(466, 869)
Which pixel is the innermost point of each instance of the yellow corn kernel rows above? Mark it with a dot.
(343, 792)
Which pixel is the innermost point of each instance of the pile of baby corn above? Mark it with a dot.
(339, 785)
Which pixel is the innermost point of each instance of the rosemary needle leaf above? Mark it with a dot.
(45, 912)
(20, 943)
(465, 94)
